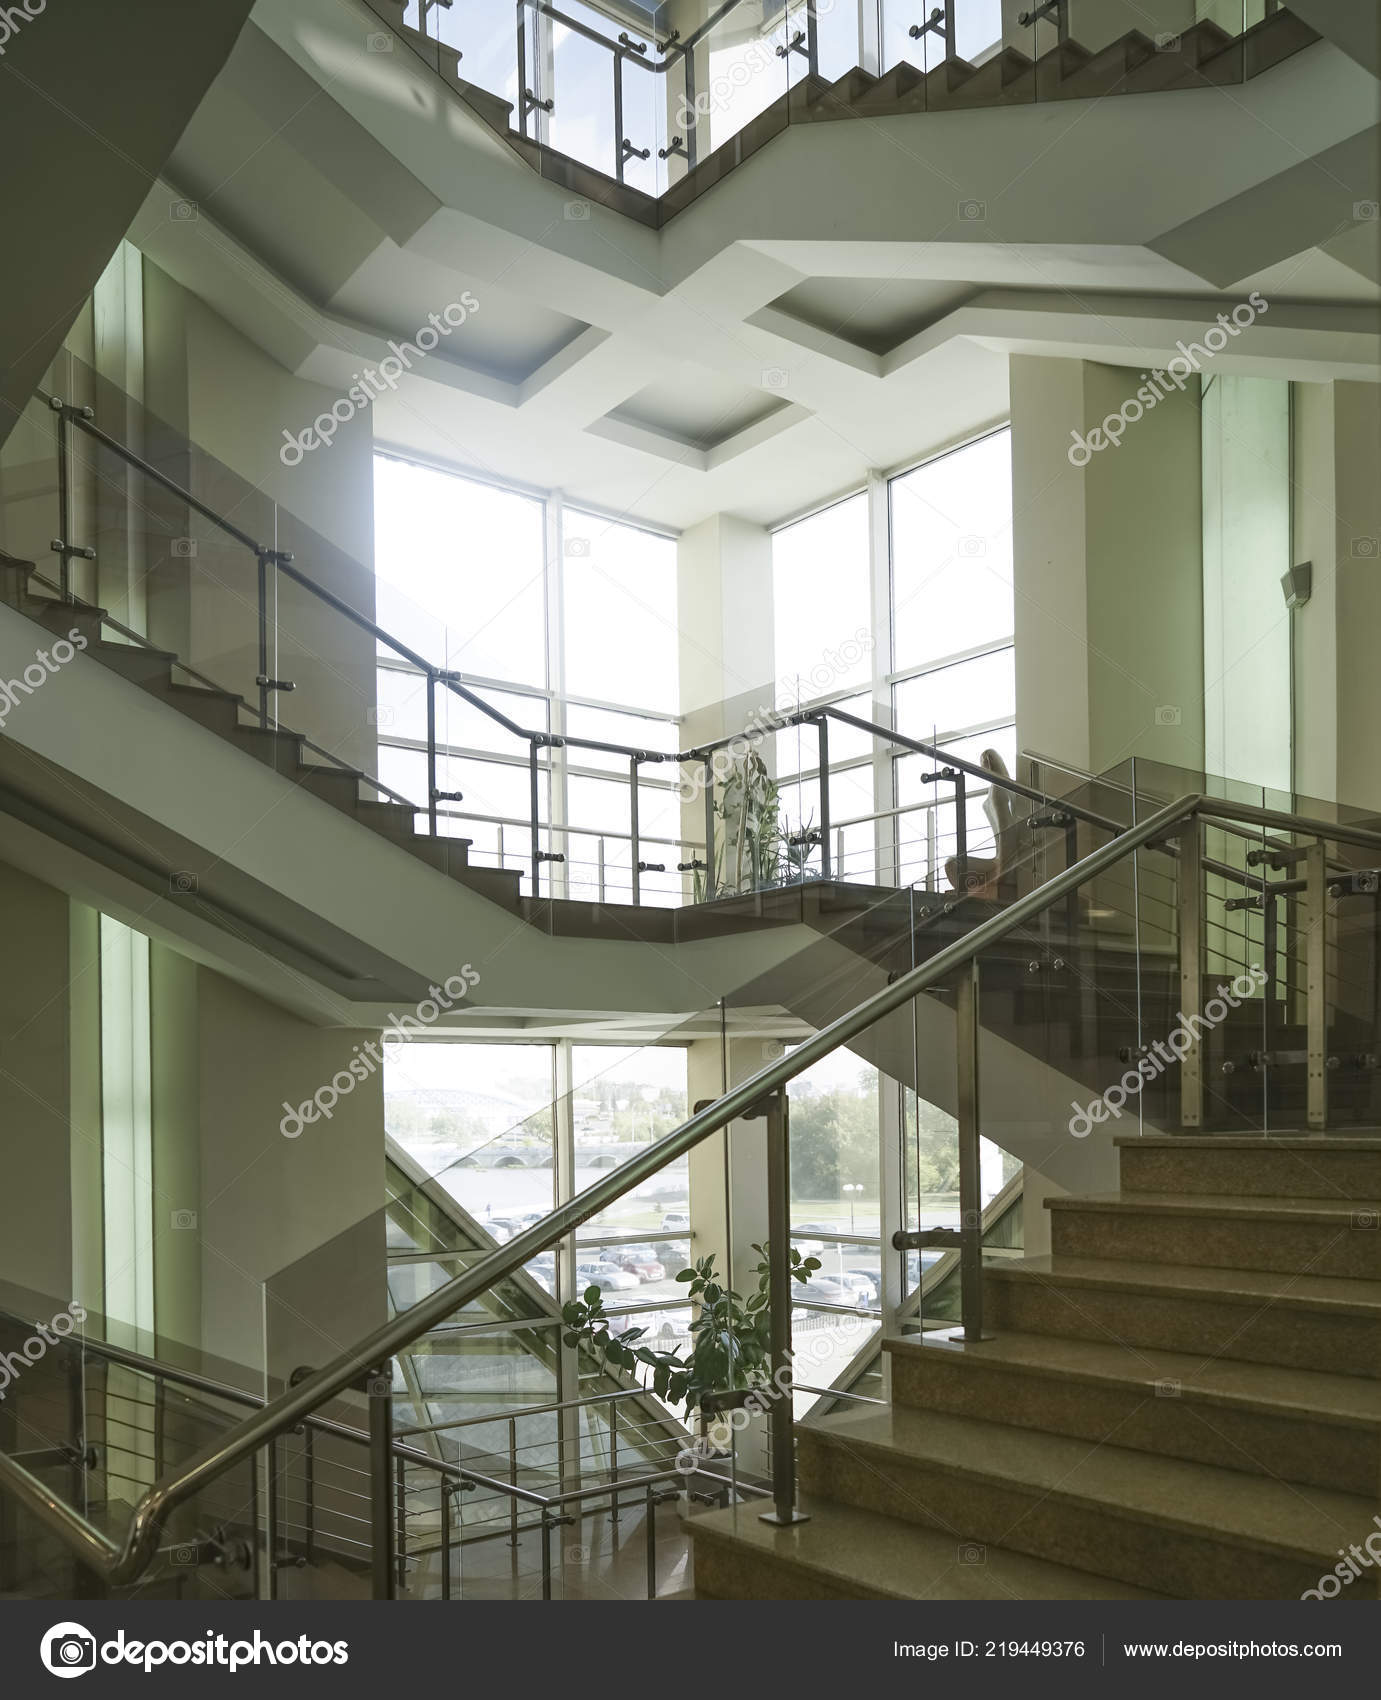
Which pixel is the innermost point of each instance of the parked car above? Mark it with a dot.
(604, 1276)
(824, 1290)
(504, 1227)
(636, 1260)
(674, 1220)
(672, 1257)
(863, 1286)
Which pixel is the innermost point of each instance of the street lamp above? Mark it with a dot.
(851, 1187)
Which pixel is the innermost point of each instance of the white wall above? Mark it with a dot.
(95, 140)
(47, 1130)
(217, 390)
(1246, 493)
(1337, 525)
(1106, 564)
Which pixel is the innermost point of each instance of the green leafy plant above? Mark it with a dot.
(797, 849)
(731, 1347)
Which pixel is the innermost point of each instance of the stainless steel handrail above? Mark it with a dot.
(121, 1562)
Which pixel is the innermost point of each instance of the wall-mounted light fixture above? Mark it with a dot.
(1298, 584)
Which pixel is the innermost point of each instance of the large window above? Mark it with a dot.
(821, 602)
(823, 647)
(468, 577)
(460, 572)
(954, 674)
(620, 613)
(950, 678)
(951, 523)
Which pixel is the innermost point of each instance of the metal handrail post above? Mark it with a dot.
(445, 1540)
(1191, 923)
(710, 890)
(271, 1540)
(824, 734)
(309, 1491)
(63, 544)
(966, 1023)
(1316, 984)
(619, 151)
(513, 1481)
(634, 851)
(401, 1508)
(782, 1426)
(382, 1529)
(431, 752)
(692, 118)
(263, 676)
(614, 1460)
(534, 793)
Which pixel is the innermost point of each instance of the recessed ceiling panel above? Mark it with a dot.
(697, 406)
(876, 314)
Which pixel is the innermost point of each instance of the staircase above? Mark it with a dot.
(1183, 1400)
(1202, 56)
(161, 674)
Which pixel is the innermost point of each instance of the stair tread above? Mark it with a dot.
(214, 692)
(1346, 1399)
(1333, 1212)
(903, 1561)
(1170, 1492)
(1236, 1286)
(1359, 1139)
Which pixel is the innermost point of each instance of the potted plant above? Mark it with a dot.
(730, 1351)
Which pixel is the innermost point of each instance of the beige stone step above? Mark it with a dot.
(1222, 1231)
(844, 1553)
(1308, 1321)
(1267, 1420)
(1183, 1529)
(1339, 1166)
